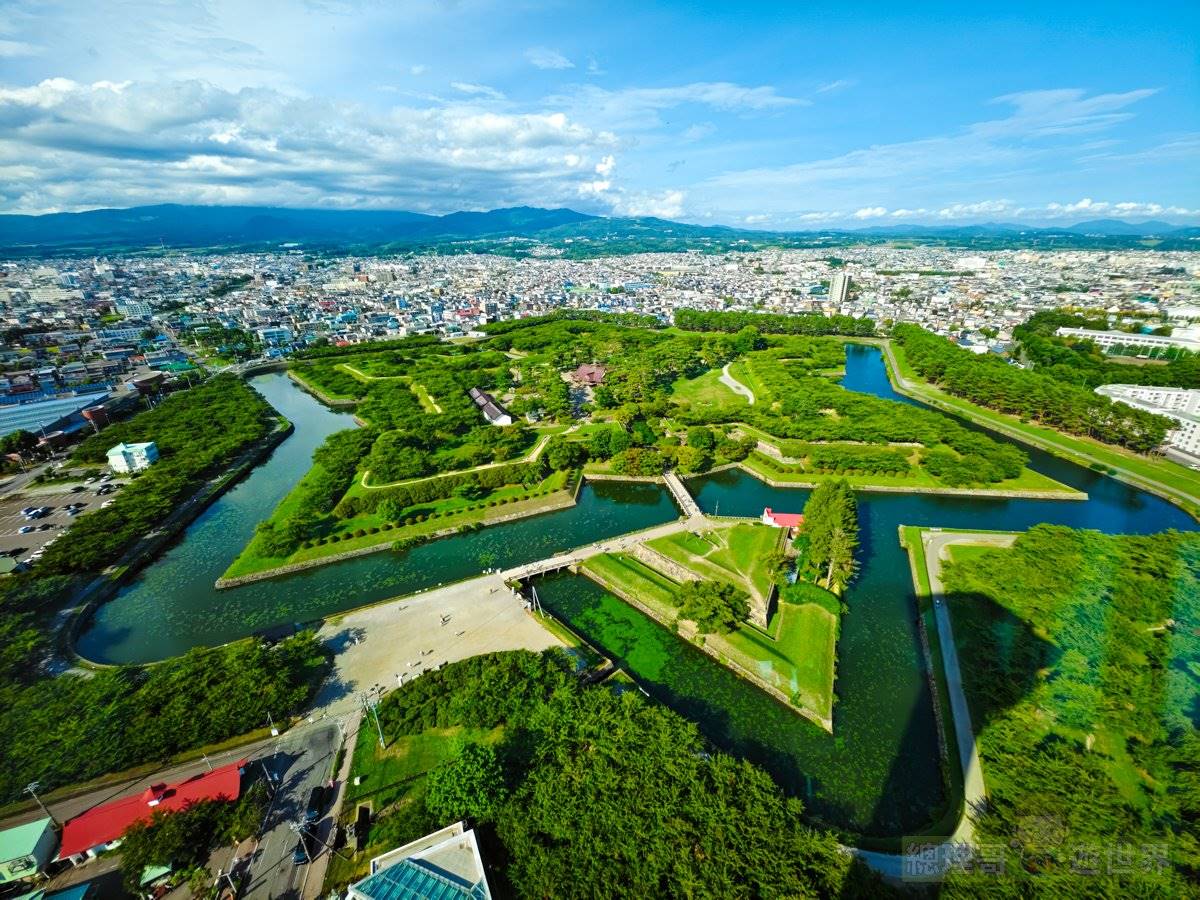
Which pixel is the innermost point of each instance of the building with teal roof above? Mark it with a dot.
(25, 849)
(445, 865)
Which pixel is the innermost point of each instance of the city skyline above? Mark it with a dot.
(812, 119)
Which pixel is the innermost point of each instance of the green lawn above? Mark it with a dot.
(1178, 481)
(627, 576)
(450, 512)
(392, 778)
(917, 478)
(707, 391)
(736, 555)
(800, 661)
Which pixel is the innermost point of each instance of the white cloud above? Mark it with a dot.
(664, 205)
(755, 219)
(870, 212)
(838, 85)
(65, 145)
(1036, 129)
(1124, 209)
(973, 210)
(546, 58)
(479, 90)
(418, 69)
(12, 49)
(698, 132)
(606, 165)
(908, 213)
(638, 109)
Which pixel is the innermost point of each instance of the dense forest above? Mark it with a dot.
(828, 539)
(64, 730)
(1081, 362)
(594, 793)
(991, 382)
(1083, 676)
(197, 431)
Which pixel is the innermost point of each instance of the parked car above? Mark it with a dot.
(316, 804)
(25, 529)
(301, 854)
(107, 503)
(89, 480)
(75, 489)
(27, 510)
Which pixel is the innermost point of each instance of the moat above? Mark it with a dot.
(878, 774)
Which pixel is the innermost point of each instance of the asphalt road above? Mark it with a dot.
(302, 762)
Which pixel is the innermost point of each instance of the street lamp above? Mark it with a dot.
(32, 788)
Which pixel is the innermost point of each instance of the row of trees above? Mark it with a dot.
(801, 405)
(829, 537)
(773, 323)
(1083, 363)
(990, 382)
(594, 793)
(197, 431)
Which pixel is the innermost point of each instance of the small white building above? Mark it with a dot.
(132, 457)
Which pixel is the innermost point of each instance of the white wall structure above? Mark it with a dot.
(1180, 404)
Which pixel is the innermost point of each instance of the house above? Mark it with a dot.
(782, 520)
(25, 849)
(492, 411)
(102, 826)
(132, 457)
(589, 374)
(446, 864)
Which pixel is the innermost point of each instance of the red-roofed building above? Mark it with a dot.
(92, 831)
(782, 520)
(589, 374)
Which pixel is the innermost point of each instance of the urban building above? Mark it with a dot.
(839, 288)
(446, 864)
(102, 827)
(132, 457)
(1179, 404)
(1185, 339)
(26, 849)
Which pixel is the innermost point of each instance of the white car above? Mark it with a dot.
(25, 529)
(27, 510)
(107, 503)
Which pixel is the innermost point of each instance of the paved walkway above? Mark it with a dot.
(936, 544)
(736, 386)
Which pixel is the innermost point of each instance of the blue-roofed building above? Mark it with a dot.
(48, 415)
(445, 865)
(25, 849)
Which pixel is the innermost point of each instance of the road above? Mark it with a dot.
(736, 386)
(303, 761)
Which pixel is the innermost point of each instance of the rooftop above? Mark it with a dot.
(106, 823)
(21, 840)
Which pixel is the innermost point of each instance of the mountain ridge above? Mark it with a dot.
(186, 226)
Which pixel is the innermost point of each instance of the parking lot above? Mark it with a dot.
(57, 500)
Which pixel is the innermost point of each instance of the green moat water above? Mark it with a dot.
(877, 774)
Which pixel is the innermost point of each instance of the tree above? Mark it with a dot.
(830, 534)
(469, 786)
(18, 442)
(716, 607)
(701, 438)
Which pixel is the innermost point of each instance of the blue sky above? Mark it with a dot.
(781, 115)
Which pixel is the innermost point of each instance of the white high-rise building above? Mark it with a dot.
(839, 288)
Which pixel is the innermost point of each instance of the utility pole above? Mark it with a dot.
(33, 787)
(370, 707)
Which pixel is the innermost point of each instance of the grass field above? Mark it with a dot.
(707, 391)
(918, 478)
(1175, 480)
(800, 661)
(737, 555)
(795, 655)
(392, 778)
(450, 512)
(625, 575)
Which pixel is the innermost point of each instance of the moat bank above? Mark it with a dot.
(876, 775)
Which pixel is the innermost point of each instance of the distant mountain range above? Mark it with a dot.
(149, 228)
